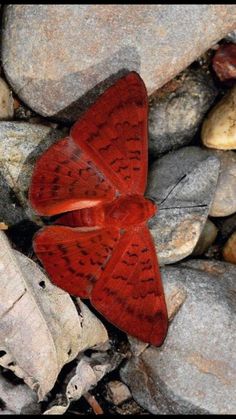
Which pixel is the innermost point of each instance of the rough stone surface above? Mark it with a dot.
(182, 183)
(20, 145)
(207, 237)
(6, 101)
(229, 251)
(224, 201)
(193, 372)
(73, 48)
(175, 116)
(219, 128)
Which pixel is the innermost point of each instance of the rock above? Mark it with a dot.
(193, 372)
(207, 237)
(224, 201)
(72, 53)
(6, 101)
(224, 62)
(229, 251)
(183, 185)
(219, 128)
(17, 399)
(117, 392)
(175, 116)
(231, 37)
(226, 226)
(20, 146)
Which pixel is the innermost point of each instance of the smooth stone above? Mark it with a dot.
(6, 101)
(224, 201)
(224, 62)
(182, 183)
(76, 51)
(219, 127)
(117, 392)
(229, 250)
(207, 237)
(193, 372)
(20, 145)
(177, 110)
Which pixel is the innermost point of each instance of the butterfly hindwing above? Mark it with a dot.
(74, 258)
(113, 132)
(65, 179)
(129, 292)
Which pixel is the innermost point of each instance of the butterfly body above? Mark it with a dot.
(123, 212)
(101, 247)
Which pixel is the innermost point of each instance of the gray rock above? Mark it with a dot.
(71, 50)
(193, 372)
(207, 237)
(231, 37)
(224, 202)
(183, 185)
(20, 146)
(175, 116)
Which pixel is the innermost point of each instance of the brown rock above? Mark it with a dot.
(229, 251)
(74, 48)
(224, 62)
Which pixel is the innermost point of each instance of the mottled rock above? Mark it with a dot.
(117, 392)
(178, 109)
(207, 237)
(229, 251)
(183, 185)
(219, 128)
(6, 101)
(193, 372)
(20, 146)
(71, 51)
(224, 201)
(224, 62)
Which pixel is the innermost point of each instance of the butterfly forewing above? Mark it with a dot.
(74, 258)
(113, 132)
(65, 179)
(129, 292)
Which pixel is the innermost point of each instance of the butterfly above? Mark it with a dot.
(101, 248)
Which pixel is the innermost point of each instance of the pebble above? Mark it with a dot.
(193, 372)
(224, 201)
(21, 143)
(117, 392)
(6, 101)
(224, 62)
(58, 59)
(207, 237)
(182, 183)
(177, 110)
(219, 127)
(229, 250)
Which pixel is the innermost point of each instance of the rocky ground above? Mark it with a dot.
(49, 74)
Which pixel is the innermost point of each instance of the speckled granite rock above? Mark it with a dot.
(183, 185)
(73, 48)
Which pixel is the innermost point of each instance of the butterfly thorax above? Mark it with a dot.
(122, 212)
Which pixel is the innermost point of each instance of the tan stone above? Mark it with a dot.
(219, 128)
(229, 251)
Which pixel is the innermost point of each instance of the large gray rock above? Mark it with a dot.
(175, 116)
(183, 185)
(73, 48)
(193, 372)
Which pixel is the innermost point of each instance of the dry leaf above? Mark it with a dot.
(39, 327)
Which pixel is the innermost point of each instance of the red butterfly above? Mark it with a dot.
(102, 248)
